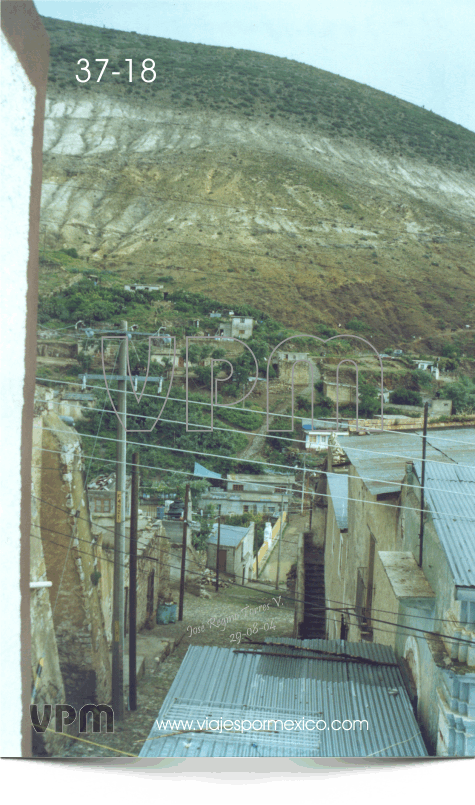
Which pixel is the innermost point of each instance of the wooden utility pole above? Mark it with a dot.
(217, 547)
(134, 510)
(183, 554)
(119, 538)
(303, 482)
(280, 539)
(423, 478)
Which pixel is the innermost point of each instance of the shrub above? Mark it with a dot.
(356, 325)
(420, 379)
(71, 253)
(402, 396)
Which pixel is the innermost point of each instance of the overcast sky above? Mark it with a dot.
(419, 50)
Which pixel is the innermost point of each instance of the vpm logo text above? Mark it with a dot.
(65, 715)
(216, 382)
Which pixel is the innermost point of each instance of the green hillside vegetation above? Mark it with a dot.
(254, 85)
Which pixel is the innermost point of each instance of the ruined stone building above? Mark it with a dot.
(66, 555)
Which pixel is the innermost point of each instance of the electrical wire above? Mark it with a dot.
(397, 627)
(307, 599)
(313, 470)
(208, 203)
(204, 403)
(270, 464)
(308, 493)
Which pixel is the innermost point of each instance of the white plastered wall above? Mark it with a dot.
(16, 139)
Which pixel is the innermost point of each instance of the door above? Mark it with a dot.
(150, 591)
(222, 560)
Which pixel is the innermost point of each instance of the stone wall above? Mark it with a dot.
(71, 559)
(153, 562)
(47, 680)
(301, 372)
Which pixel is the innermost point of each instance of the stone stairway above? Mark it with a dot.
(313, 625)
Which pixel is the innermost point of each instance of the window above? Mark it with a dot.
(245, 509)
(238, 488)
(360, 596)
(102, 505)
(340, 556)
(370, 584)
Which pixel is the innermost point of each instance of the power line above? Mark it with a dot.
(294, 599)
(264, 413)
(268, 463)
(248, 253)
(311, 470)
(316, 494)
(345, 608)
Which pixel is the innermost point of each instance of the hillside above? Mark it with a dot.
(259, 180)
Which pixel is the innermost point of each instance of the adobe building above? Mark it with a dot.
(71, 559)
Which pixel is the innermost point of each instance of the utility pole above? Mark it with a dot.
(303, 482)
(280, 539)
(217, 547)
(183, 554)
(134, 510)
(119, 538)
(423, 478)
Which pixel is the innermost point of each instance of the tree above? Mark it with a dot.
(194, 353)
(138, 357)
(369, 402)
(462, 395)
(419, 380)
(206, 521)
(402, 396)
(356, 325)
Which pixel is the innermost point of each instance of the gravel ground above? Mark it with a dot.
(203, 625)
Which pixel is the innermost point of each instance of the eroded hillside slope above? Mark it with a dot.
(300, 220)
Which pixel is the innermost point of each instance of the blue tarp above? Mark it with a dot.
(203, 472)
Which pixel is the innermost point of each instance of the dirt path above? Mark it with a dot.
(208, 616)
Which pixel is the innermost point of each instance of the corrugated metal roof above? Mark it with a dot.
(324, 424)
(449, 491)
(79, 397)
(204, 472)
(265, 479)
(218, 684)
(458, 444)
(380, 459)
(230, 535)
(338, 486)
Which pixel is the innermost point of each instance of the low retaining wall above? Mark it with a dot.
(266, 548)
